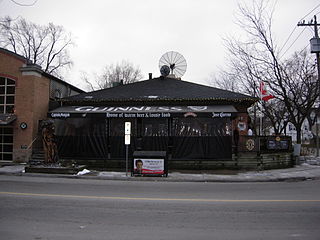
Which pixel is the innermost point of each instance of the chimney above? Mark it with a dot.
(150, 76)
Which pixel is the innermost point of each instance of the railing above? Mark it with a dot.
(30, 145)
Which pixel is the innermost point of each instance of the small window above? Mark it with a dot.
(2, 81)
(7, 148)
(10, 100)
(7, 91)
(7, 157)
(8, 139)
(8, 130)
(11, 82)
(10, 90)
(2, 90)
(10, 109)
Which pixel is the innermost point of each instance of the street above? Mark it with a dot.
(59, 208)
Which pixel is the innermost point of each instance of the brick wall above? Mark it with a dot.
(31, 102)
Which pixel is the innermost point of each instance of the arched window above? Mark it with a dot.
(7, 92)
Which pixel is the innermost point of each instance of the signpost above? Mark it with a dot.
(127, 132)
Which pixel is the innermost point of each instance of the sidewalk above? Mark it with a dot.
(309, 169)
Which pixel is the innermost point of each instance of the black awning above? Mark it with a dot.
(142, 111)
(6, 119)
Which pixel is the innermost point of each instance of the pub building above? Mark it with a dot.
(194, 124)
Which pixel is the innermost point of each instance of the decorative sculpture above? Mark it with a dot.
(49, 142)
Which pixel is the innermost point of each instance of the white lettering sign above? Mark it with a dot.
(60, 115)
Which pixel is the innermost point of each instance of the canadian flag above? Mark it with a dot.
(265, 96)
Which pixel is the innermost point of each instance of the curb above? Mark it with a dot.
(213, 178)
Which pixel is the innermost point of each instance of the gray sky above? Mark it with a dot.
(141, 31)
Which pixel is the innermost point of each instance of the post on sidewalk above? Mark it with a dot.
(127, 136)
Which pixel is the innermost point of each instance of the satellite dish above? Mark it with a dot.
(165, 70)
(176, 63)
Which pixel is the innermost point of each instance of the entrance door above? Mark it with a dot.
(6, 143)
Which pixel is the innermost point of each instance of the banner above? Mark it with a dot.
(148, 166)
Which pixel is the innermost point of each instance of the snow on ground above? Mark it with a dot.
(83, 172)
(12, 169)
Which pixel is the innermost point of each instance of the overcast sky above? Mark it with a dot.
(141, 31)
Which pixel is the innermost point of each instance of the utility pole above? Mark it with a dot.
(315, 48)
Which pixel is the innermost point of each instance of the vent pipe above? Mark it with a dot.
(150, 76)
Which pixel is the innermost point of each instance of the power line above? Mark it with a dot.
(287, 40)
(310, 12)
(292, 43)
(305, 48)
(24, 5)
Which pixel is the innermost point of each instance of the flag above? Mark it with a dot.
(265, 95)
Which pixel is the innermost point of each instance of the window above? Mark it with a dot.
(7, 91)
(155, 127)
(6, 143)
(201, 127)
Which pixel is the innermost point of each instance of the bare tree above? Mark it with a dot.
(224, 80)
(46, 46)
(257, 59)
(112, 75)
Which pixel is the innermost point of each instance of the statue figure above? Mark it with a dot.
(49, 142)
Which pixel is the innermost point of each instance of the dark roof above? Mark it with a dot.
(160, 90)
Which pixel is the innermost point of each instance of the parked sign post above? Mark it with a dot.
(127, 134)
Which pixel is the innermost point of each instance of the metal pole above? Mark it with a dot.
(127, 150)
(318, 67)
(317, 136)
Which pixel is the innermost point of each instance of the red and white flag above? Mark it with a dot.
(265, 95)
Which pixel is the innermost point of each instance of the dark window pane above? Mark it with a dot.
(8, 139)
(10, 82)
(7, 148)
(1, 99)
(1, 109)
(10, 100)
(10, 109)
(2, 81)
(8, 130)
(7, 157)
(2, 90)
(10, 90)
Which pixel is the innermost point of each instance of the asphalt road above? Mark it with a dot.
(57, 208)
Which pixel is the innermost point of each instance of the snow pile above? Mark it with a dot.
(311, 160)
(12, 169)
(83, 172)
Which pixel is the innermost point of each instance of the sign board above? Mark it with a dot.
(216, 111)
(127, 128)
(273, 144)
(149, 166)
(127, 139)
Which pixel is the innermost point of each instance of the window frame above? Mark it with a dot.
(4, 106)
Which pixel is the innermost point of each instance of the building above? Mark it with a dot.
(25, 95)
(194, 124)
